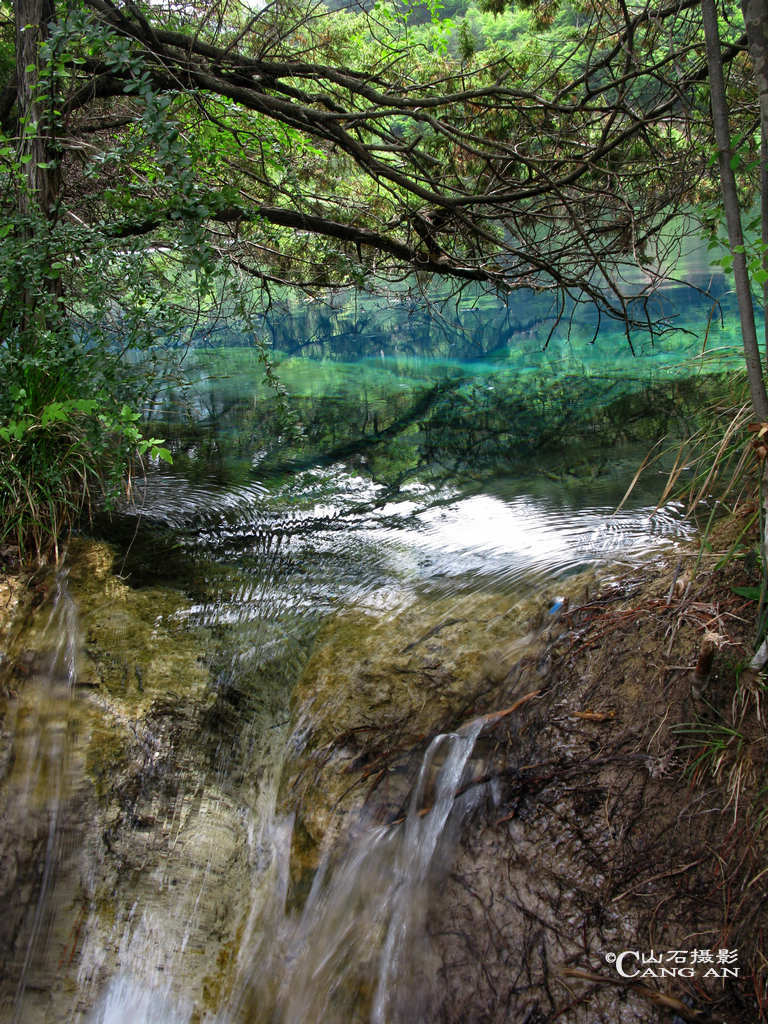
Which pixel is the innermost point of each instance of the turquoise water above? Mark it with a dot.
(391, 463)
(401, 395)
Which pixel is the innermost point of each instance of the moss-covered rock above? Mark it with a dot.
(137, 643)
(379, 687)
(108, 787)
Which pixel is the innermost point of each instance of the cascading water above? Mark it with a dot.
(40, 783)
(358, 950)
(415, 858)
(172, 904)
(174, 900)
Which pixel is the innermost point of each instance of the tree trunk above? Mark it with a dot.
(35, 108)
(732, 212)
(39, 194)
(756, 22)
(764, 229)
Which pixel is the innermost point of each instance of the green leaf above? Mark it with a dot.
(752, 593)
(84, 404)
(164, 454)
(54, 412)
(127, 414)
(15, 430)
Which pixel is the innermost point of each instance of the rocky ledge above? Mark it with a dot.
(617, 793)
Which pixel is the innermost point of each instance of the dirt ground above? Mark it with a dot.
(629, 817)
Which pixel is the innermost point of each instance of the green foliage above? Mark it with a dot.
(717, 748)
(81, 314)
(751, 593)
(164, 160)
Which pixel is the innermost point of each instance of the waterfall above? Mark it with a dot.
(415, 857)
(358, 950)
(37, 786)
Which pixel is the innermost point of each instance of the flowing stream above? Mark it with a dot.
(146, 751)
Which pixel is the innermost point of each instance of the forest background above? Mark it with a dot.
(163, 166)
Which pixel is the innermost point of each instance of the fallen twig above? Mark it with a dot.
(651, 994)
(494, 716)
(662, 874)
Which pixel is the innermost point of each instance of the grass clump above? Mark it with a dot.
(65, 439)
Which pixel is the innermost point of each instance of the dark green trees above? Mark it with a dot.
(152, 157)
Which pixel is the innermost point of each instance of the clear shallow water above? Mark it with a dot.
(348, 542)
(386, 478)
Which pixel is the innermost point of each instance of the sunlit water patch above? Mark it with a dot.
(485, 540)
(332, 538)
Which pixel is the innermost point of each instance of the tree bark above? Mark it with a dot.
(35, 109)
(732, 211)
(756, 23)
(764, 229)
(39, 194)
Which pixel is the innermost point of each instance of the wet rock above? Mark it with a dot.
(377, 688)
(120, 847)
(575, 844)
(167, 891)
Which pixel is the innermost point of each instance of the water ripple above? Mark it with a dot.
(329, 537)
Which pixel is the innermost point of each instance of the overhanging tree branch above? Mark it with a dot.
(483, 177)
(732, 212)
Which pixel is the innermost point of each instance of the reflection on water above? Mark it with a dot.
(335, 538)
